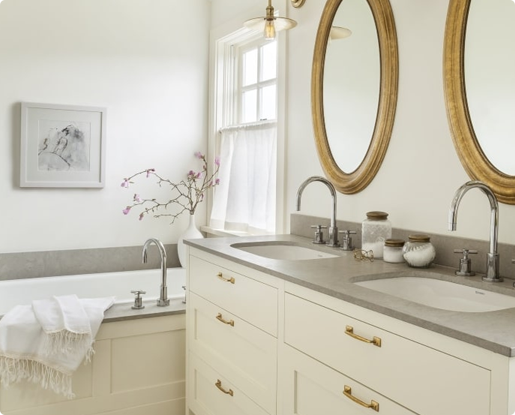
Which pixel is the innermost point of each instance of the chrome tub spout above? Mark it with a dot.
(163, 292)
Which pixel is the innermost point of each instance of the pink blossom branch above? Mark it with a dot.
(189, 193)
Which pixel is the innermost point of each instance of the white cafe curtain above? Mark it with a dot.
(245, 199)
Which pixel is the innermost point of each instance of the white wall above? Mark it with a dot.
(421, 170)
(146, 61)
(150, 70)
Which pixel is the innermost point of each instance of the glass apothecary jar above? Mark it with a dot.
(419, 252)
(375, 229)
(393, 251)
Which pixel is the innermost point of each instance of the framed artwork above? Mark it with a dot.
(62, 145)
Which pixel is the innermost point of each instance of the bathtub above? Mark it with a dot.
(139, 361)
(118, 284)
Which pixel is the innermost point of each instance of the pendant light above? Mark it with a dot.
(270, 24)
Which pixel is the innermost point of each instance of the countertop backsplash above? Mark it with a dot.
(445, 245)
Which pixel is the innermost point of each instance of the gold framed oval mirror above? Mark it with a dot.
(359, 173)
(472, 143)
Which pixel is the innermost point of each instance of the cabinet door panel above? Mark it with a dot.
(311, 388)
(251, 300)
(209, 393)
(244, 354)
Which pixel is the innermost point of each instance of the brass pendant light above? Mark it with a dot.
(270, 24)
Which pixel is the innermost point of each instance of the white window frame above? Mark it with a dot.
(222, 101)
(259, 84)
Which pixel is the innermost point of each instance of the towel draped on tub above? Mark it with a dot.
(46, 342)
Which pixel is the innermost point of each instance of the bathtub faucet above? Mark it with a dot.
(163, 296)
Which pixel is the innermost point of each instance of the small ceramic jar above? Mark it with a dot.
(376, 228)
(393, 251)
(419, 252)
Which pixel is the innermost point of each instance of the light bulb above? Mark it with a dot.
(269, 30)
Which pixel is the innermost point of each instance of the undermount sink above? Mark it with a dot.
(284, 252)
(441, 294)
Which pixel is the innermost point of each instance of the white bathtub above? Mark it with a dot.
(118, 284)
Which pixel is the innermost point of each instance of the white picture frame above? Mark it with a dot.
(62, 146)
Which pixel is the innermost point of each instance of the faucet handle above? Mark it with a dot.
(319, 235)
(138, 301)
(347, 240)
(465, 266)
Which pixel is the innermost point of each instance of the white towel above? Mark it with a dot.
(45, 342)
(65, 322)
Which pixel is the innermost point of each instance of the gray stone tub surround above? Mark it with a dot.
(494, 331)
(81, 261)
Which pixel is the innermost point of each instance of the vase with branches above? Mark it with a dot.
(184, 195)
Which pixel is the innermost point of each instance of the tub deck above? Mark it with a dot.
(119, 284)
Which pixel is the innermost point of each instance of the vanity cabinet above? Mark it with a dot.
(232, 328)
(418, 377)
(259, 345)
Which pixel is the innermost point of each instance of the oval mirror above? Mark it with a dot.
(354, 90)
(480, 90)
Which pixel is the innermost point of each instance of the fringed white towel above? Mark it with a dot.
(46, 342)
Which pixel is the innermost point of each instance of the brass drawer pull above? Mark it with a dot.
(221, 276)
(218, 384)
(220, 318)
(347, 391)
(376, 341)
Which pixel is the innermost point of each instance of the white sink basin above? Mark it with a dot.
(445, 295)
(285, 252)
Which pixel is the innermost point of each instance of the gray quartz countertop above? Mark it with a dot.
(492, 330)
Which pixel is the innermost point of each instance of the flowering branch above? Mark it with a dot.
(187, 194)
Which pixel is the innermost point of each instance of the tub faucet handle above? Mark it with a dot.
(465, 268)
(138, 300)
(319, 234)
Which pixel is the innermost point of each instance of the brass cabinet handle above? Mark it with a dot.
(376, 341)
(347, 391)
(221, 276)
(220, 318)
(218, 384)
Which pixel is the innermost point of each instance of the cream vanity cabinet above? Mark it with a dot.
(261, 345)
(232, 329)
(358, 359)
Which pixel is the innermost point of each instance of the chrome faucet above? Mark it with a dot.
(492, 258)
(333, 229)
(163, 292)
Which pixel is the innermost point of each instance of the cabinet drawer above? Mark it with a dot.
(423, 379)
(242, 353)
(311, 388)
(209, 393)
(249, 299)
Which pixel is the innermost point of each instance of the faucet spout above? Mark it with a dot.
(163, 292)
(492, 269)
(333, 229)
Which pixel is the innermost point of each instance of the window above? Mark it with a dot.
(245, 134)
(257, 91)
